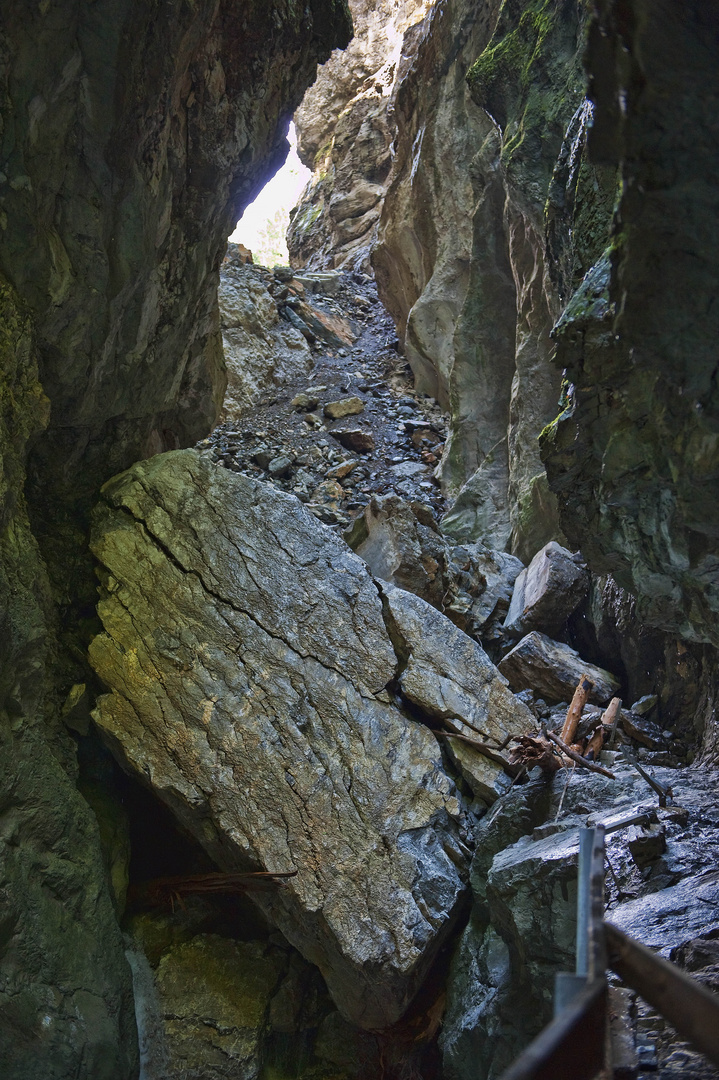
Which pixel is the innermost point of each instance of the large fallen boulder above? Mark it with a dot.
(552, 670)
(548, 591)
(246, 655)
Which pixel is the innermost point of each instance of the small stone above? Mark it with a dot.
(262, 457)
(362, 442)
(339, 472)
(345, 407)
(644, 705)
(280, 466)
(329, 493)
(408, 468)
(305, 402)
(283, 273)
(313, 419)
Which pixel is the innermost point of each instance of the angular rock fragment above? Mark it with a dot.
(552, 670)
(351, 406)
(643, 731)
(448, 675)
(243, 648)
(548, 591)
(486, 777)
(362, 442)
(305, 402)
(400, 542)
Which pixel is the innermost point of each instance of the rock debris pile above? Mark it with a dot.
(331, 415)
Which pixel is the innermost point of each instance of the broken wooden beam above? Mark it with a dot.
(574, 712)
(578, 757)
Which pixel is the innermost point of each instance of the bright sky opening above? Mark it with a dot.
(262, 226)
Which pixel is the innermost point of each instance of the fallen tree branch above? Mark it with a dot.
(578, 757)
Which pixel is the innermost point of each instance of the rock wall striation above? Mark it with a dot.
(482, 234)
(633, 456)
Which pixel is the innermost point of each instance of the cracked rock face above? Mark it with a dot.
(246, 653)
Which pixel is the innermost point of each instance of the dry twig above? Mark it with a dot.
(578, 757)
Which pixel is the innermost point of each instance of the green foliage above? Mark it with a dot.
(271, 250)
(530, 79)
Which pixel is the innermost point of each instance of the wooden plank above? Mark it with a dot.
(686, 1004)
(572, 1046)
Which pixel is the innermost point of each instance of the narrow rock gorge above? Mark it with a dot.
(301, 566)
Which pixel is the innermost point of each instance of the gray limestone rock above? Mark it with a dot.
(351, 406)
(261, 350)
(214, 996)
(449, 676)
(669, 919)
(633, 457)
(344, 131)
(244, 645)
(552, 670)
(470, 583)
(548, 591)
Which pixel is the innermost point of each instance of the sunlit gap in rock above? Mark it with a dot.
(263, 225)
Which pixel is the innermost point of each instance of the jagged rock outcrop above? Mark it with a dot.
(65, 991)
(491, 124)
(633, 457)
(261, 351)
(523, 922)
(133, 139)
(401, 543)
(344, 135)
(247, 657)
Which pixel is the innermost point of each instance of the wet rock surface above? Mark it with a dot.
(524, 885)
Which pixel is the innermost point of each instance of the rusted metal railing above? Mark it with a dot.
(576, 1044)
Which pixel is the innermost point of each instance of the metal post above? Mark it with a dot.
(584, 884)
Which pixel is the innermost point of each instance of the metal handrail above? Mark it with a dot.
(574, 1045)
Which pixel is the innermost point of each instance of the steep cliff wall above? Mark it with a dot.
(131, 135)
(475, 255)
(634, 456)
(345, 130)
